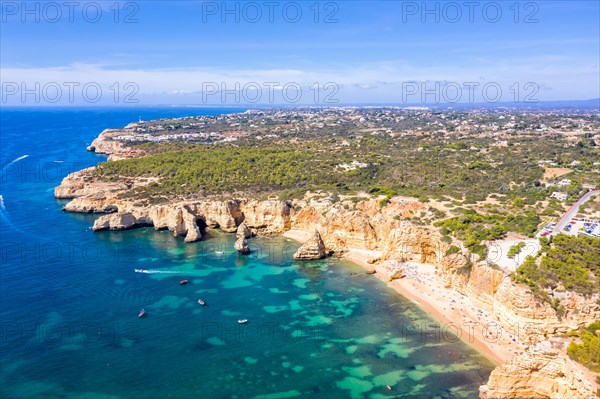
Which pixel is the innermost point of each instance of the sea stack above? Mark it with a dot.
(312, 249)
(241, 245)
(243, 231)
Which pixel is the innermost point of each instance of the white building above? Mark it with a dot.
(559, 196)
(564, 182)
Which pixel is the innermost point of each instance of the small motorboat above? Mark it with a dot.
(201, 302)
(142, 313)
(183, 282)
(242, 321)
(140, 270)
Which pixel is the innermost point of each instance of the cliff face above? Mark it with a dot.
(371, 227)
(538, 373)
(366, 226)
(106, 144)
(514, 305)
(184, 217)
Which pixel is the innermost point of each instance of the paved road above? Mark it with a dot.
(572, 211)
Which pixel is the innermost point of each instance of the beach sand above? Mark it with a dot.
(457, 313)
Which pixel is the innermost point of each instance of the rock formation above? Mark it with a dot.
(189, 226)
(365, 225)
(241, 245)
(538, 373)
(115, 221)
(243, 231)
(106, 143)
(266, 218)
(312, 249)
(391, 270)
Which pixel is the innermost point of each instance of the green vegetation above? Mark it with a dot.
(571, 263)
(452, 250)
(472, 227)
(588, 351)
(466, 165)
(216, 169)
(487, 174)
(388, 192)
(515, 249)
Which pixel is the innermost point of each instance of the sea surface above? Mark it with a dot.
(69, 299)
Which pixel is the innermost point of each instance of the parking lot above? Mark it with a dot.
(583, 226)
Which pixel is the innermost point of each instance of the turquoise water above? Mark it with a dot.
(69, 301)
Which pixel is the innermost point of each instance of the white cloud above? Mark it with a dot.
(380, 81)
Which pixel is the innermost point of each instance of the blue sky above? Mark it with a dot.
(368, 52)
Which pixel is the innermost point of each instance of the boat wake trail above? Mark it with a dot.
(156, 271)
(3, 214)
(15, 160)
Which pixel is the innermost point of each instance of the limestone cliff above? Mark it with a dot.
(107, 143)
(312, 249)
(369, 226)
(541, 372)
(184, 217)
(116, 221)
(514, 304)
(364, 225)
(269, 217)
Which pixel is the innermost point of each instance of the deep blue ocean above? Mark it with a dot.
(69, 299)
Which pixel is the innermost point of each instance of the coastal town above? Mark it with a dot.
(390, 121)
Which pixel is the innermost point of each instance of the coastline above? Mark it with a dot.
(461, 318)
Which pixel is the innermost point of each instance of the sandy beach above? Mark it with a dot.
(456, 313)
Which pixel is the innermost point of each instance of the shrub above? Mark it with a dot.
(515, 249)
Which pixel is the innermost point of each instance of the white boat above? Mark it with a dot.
(242, 321)
(201, 302)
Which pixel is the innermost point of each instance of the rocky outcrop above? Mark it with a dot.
(115, 221)
(84, 184)
(267, 218)
(538, 373)
(180, 220)
(225, 215)
(391, 270)
(514, 304)
(241, 245)
(371, 227)
(107, 143)
(243, 231)
(91, 195)
(189, 226)
(312, 249)
(365, 225)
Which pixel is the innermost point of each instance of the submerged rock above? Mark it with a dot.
(241, 245)
(312, 249)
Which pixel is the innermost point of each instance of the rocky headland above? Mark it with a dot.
(338, 227)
